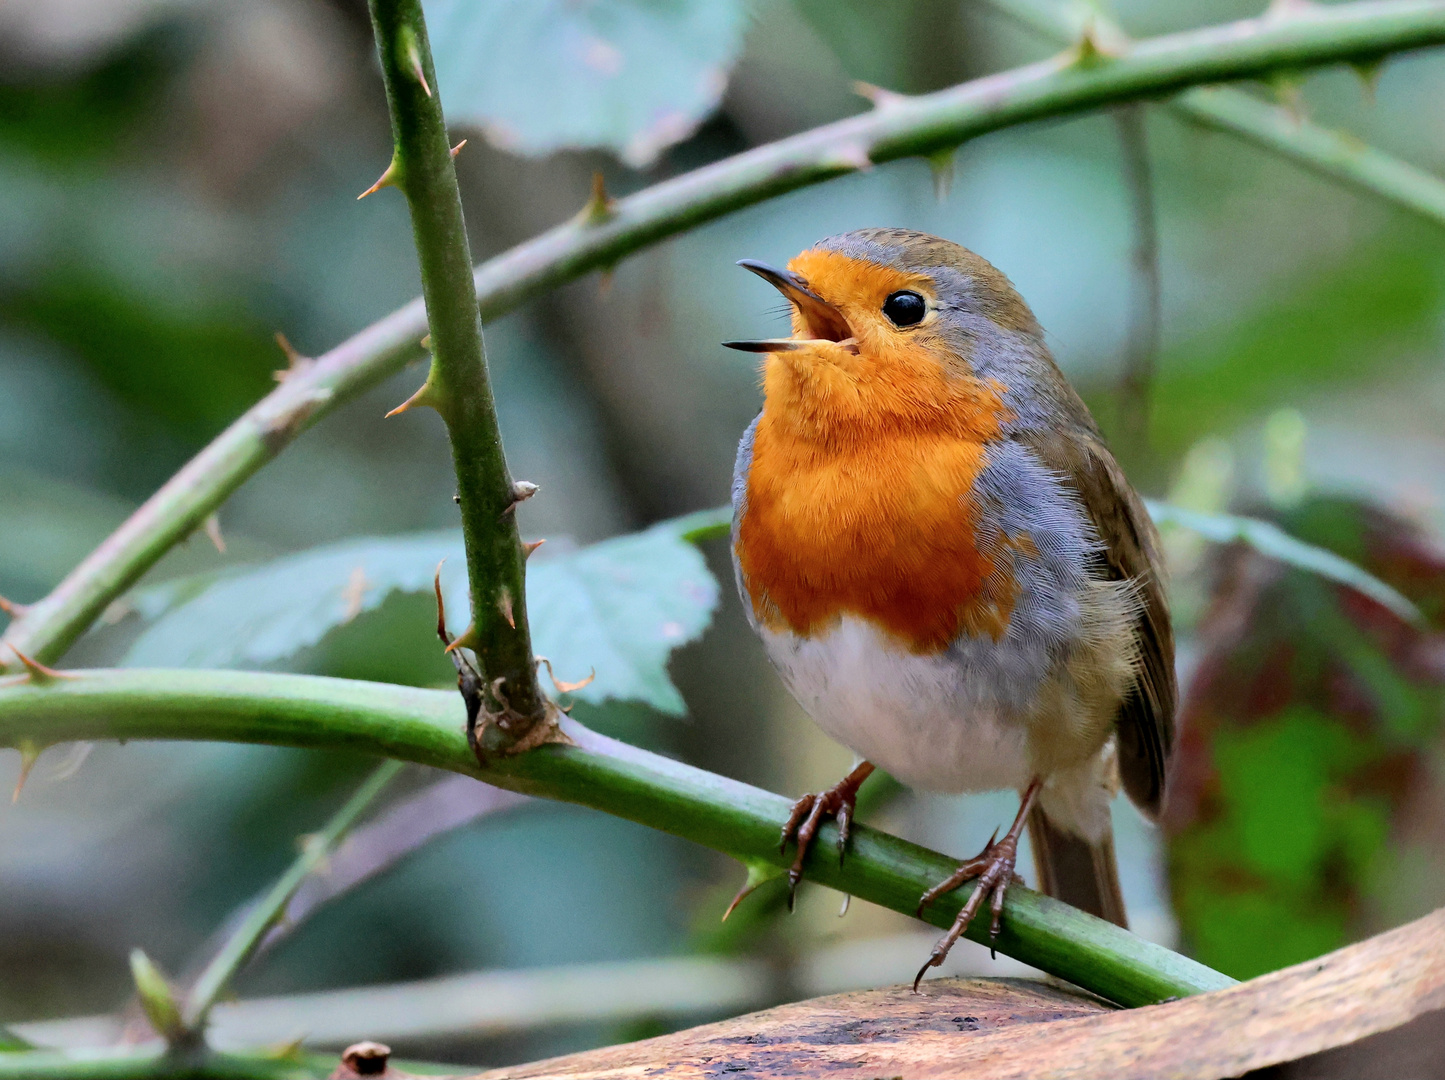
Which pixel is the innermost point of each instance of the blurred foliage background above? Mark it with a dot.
(177, 184)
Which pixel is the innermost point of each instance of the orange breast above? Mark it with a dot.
(883, 528)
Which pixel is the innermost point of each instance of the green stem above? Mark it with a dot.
(1332, 154)
(1336, 155)
(458, 386)
(155, 1063)
(242, 944)
(425, 726)
(917, 126)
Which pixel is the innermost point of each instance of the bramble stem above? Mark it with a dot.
(457, 385)
(1332, 154)
(154, 1063)
(425, 726)
(242, 944)
(917, 126)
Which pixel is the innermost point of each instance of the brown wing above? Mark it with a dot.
(1131, 552)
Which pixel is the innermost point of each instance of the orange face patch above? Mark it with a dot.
(858, 496)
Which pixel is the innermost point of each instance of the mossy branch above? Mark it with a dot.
(457, 385)
(919, 126)
(425, 726)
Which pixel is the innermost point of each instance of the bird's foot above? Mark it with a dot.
(809, 813)
(993, 868)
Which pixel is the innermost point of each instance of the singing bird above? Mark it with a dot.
(946, 564)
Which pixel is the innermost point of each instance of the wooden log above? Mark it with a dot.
(1018, 1028)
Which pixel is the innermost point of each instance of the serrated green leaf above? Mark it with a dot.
(618, 607)
(632, 76)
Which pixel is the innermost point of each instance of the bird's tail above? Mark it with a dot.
(1075, 871)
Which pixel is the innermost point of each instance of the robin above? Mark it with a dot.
(946, 564)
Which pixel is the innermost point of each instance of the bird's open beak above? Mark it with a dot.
(824, 321)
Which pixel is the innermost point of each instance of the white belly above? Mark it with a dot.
(915, 717)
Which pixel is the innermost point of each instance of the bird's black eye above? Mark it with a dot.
(905, 308)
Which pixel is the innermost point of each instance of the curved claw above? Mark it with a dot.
(806, 832)
(934, 960)
(994, 870)
(800, 810)
(807, 817)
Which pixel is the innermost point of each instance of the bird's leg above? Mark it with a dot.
(838, 802)
(994, 869)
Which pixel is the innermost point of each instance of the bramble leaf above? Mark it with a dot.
(618, 607)
(631, 76)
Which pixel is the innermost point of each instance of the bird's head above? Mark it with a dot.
(893, 328)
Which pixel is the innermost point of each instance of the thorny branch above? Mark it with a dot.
(516, 713)
(901, 127)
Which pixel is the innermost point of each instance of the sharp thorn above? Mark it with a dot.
(467, 640)
(294, 360)
(1096, 44)
(441, 606)
(287, 349)
(742, 895)
(426, 342)
(39, 673)
(11, 608)
(941, 165)
(504, 605)
(880, 98)
(157, 997)
(599, 206)
(458, 148)
(425, 395)
(562, 686)
(213, 530)
(530, 546)
(1369, 73)
(412, 51)
(386, 179)
(29, 755)
(1289, 94)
